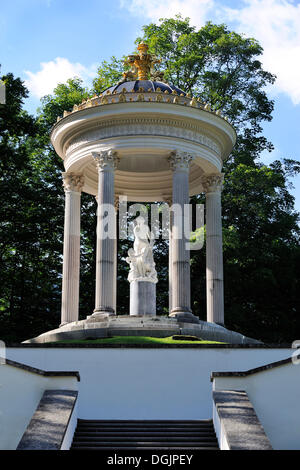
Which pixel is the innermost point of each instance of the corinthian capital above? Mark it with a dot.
(72, 181)
(106, 159)
(180, 160)
(213, 182)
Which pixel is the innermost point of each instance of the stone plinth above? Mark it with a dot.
(128, 325)
(142, 298)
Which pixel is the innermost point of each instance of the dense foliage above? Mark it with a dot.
(260, 226)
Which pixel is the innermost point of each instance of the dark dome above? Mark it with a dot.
(134, 85)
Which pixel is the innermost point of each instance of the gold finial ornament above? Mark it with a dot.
(141, 64)
(131, 74)
(157, 76)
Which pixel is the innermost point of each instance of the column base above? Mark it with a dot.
(106, 310)
(220, 324)
(184, 316)
(102, 312)
(99, 316)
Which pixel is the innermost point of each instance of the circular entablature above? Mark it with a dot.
(143, 128)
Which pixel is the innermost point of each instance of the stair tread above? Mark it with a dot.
(132, 434)
(145, 434)
(162, 421)
(145, 438)
(145, 448)
(159, 443)
(136, 428)
(142, 423)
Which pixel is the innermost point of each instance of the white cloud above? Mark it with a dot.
(274, 23)
(53, 72)
(197, 10)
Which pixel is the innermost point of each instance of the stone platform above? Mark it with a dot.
(104, 326)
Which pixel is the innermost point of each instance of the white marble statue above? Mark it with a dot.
(140, 257)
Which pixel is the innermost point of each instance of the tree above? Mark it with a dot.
(27, 274)
(32, 213)
(64, 97)
(109, 73)
(220, 67)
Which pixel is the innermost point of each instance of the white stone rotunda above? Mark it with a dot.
(149, 141)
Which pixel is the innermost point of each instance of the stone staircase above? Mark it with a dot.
(151, 435)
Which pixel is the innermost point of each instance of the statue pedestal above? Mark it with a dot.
(142, 298)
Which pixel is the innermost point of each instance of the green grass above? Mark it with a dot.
(136, 340)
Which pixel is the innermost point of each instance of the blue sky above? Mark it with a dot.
(47, 41)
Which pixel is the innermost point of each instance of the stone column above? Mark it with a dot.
(73, 183)
(116, 201)
(180, 256)
(106, 162)
(212, 185)
(168, 200)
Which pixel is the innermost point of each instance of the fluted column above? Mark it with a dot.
(212, 185)
(116, 201)
(73, 183)
(106, 162)
(180, 256)
(168, 200)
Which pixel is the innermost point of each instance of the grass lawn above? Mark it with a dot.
(136, 340)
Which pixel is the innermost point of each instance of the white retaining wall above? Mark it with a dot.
(275, 396)
(142, 383)
(68, 438)
(20, 394)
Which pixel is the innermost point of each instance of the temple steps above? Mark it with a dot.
(144, 435)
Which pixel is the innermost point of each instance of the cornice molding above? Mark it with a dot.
(165, 127)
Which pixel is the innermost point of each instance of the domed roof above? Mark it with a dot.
(147, 85)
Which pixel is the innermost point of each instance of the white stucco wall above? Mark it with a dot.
(219, 430)
(274, 394)
(20, 394)
(67, 441)
(140, 383)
